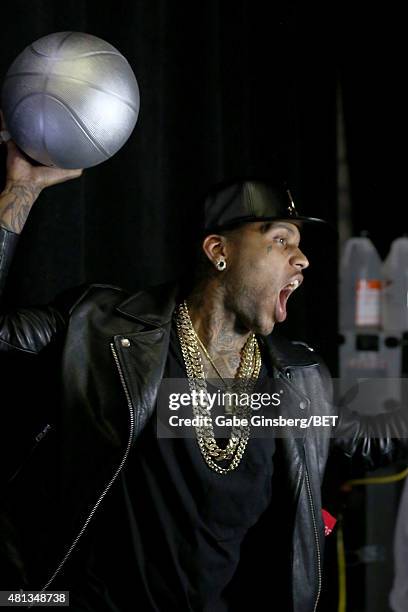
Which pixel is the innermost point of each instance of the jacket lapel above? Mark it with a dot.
(142, 354)
(282, 356)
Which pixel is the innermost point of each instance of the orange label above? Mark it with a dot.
(368, 293)
(368, 284)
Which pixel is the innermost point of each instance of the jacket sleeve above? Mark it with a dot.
(26, 329)
(370, 440)
(373, 441)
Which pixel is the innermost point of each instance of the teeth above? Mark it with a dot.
(295, 284)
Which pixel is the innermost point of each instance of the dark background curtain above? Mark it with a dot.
(227, 88)
(372, 77)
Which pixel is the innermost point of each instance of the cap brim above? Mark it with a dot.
(242, 220)
(299, 218)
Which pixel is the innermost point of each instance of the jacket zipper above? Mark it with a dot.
(319, 568)
(114, 477)
(288, 375)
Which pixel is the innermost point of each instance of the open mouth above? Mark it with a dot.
(284, 293)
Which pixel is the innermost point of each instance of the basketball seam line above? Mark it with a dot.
(80, 124)
(56, 57)
(47, 76)
(71, 78)
(59, 45)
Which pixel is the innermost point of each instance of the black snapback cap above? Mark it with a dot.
(250, 200)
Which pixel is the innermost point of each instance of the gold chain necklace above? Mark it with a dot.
(229, 407)
(246, 377)
(206, 353)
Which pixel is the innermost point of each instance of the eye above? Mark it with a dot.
(282, 240)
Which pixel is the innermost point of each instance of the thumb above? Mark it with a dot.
(4, 134)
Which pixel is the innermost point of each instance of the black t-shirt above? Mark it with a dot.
(169, 534)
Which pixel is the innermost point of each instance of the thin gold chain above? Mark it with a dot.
(209, 357)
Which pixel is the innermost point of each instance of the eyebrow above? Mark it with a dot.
(275, 224)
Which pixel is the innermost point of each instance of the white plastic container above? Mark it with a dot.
(395, 287)
(360, 285)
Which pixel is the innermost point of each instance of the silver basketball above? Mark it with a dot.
(70, 100)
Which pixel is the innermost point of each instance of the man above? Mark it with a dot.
(127, 520)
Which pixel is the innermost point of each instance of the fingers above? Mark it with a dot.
(4, 134)
(46, 177)
(67, 175)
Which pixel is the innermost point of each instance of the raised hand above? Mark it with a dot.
(20, 169)
(24, 183)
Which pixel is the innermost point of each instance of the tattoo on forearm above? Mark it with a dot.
(16, 206)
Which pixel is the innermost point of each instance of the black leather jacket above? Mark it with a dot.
(114, 347)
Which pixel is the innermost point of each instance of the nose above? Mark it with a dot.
(299, 260)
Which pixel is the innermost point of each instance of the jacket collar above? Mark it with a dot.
(155, 306)
(284, 353)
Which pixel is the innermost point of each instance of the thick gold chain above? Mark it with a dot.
(247, 374)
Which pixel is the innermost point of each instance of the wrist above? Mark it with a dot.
(16, 202)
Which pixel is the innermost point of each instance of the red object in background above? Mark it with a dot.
(329, 522)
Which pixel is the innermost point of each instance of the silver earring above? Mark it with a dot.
(221, 264)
